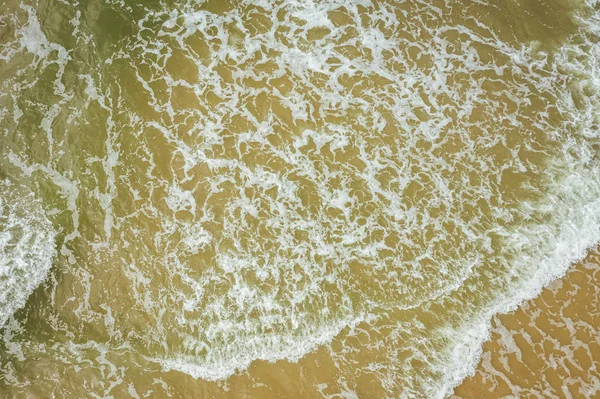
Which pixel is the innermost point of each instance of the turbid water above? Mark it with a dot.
(289, 199)
(549, 348)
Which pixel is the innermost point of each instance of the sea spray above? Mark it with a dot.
(357, 184)
(26, 247)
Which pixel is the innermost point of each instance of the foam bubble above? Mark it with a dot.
(26, 248)
(284, 175)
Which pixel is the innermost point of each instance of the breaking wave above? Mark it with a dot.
(26, 248)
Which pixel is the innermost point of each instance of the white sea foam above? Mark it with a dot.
(291, 348)
(578, 232)
(227, 340)
(573, 230)
(26, 248)
(384, 194)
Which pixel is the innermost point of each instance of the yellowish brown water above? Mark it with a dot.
(549, 347)
(285, 199)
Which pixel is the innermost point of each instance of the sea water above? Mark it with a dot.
(285, 198)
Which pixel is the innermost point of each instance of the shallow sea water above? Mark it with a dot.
(297, 199)
(549, 347)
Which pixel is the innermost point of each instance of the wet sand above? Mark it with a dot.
(282, 201)
(549, 347)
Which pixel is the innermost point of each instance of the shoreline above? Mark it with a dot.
(551, 329)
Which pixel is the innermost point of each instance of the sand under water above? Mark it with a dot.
(549, 347)
(299, 199)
